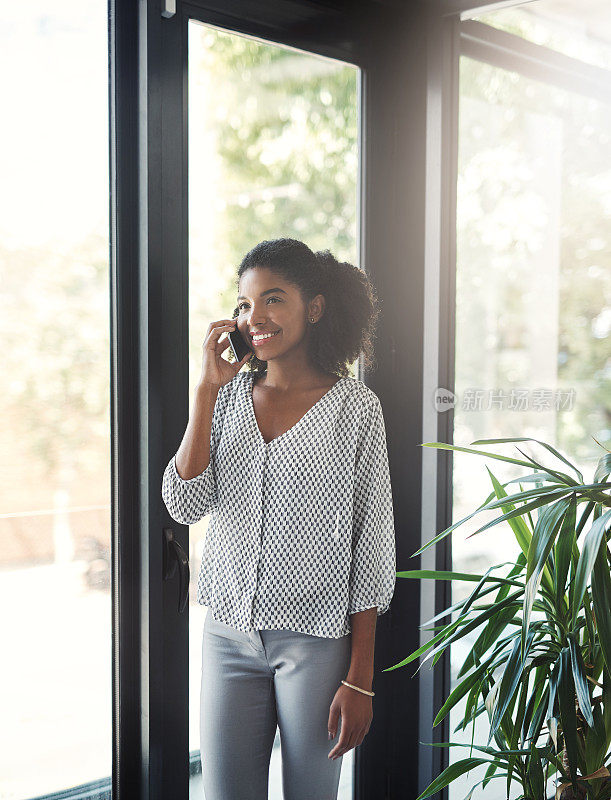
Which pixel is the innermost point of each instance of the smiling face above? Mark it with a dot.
(268, 303)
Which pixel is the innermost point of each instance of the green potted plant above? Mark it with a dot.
(540, 666)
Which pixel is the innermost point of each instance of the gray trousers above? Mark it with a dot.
(253, 682)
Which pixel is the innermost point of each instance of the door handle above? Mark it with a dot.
(173, 554)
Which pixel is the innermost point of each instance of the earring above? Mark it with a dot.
(311, 319)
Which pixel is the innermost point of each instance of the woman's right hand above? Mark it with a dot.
(218, 371)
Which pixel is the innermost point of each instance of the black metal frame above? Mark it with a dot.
(438, 349)
(409, 57)
(127, 761)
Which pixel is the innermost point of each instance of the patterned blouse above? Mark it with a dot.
(301, 531)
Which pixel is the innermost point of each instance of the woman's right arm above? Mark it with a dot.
(193, 455)
(188, 487)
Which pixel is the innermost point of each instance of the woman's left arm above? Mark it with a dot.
(372, 576)
(363, 626)
(356, 708)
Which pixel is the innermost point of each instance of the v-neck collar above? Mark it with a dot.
(248, 386)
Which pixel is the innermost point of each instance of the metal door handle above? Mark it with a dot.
(173, 554)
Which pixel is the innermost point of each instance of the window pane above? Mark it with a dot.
(533, 308)
(272, 153)
(55, 629)
(571, 27)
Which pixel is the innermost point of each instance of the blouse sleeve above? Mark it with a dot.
(189, 500)
(373, 569)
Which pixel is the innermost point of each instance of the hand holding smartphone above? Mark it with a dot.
(217, 371)
(239, 347)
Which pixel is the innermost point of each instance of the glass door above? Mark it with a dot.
(273, 152)
(55, 523)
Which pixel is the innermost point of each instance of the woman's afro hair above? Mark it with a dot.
(347, 326)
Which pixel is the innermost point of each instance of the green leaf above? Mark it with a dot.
(601, 601)
(566, 699)
(521, 712)
(532, 478)
(489, 773)
(544, 534)
(579, 678)
(520, 529)
(496, 625)
(596, 742)
(519, 718)
(521, 510)
(534, 775)
(540, 547)
(474, 594)
(412, 656)
(587, 558)
(560, 475)
(603, 468)
(529, 598)
(543, 444)
(447, 531)
(467, 627)
(472, 707)
(511, 677)
(446, 575)
(564, 548)
(488, 637)
(457, 606)
(444, 446)
(553, 689)
(584, 517)
(536, 697)
(458, 692)
(450, 774)
(522, 497)
(536, 723)
(606, 698)
(498, 754)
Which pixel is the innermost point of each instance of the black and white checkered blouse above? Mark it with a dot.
(301, 531)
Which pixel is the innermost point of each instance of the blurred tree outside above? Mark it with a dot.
(284, 127)
(534, 255)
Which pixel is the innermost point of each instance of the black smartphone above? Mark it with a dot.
(239, 347)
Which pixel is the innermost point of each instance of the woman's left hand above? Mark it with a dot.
(356, 710)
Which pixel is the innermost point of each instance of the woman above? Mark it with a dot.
(289, 459)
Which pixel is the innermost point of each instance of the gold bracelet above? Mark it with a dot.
(352, 686)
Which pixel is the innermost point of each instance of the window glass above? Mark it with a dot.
(533, 305)
(576, 29)
(55, 626)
